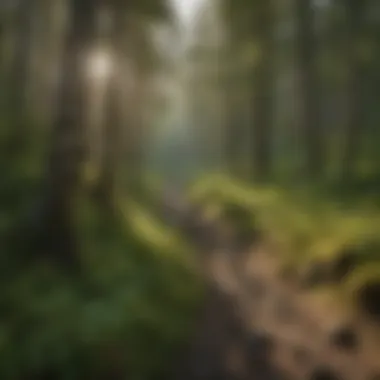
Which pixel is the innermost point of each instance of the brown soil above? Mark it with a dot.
(255, 324)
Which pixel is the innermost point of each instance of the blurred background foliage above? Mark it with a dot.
(264, 110)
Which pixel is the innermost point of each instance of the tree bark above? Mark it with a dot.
(16, 101)
(48, 34)
(234, 134)
(353, 132)
(67, 151)
(263, 93)
(136, 133)
(112, 130)
(308, 89)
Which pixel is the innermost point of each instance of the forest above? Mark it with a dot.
(190, 189)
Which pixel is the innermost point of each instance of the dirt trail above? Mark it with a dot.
(256, 325)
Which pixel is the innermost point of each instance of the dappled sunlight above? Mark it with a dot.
(99, 65)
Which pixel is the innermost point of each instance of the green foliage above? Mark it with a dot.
(129, 310)
(21, 168)
(153, 8)
(308, 227)
(134, 301)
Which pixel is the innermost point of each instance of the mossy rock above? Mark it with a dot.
(334, 270)
(237, 213)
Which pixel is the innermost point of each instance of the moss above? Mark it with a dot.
(311, 229)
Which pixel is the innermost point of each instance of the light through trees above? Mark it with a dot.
(99, 65)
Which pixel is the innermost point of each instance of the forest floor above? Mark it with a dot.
(255, 324)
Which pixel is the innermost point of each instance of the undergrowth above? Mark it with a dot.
(127, 314)
(308, 228)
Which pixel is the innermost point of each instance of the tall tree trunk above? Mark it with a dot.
(16, 101)
(355, 10)
(136, 133)
(308, 90)
(48, 34)
(111, 142)
(234, 134)
(113, 113)
(263, 93)
(67, 152)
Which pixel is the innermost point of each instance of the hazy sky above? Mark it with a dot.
(187, 8)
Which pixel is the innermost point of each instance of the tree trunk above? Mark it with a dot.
(16, 100)
(48, 35)
(263, 93)
(234, 135)
(111, 142)
(112, 130)
(353, 132)
(67, 153)
(308, 91)
(136, 134)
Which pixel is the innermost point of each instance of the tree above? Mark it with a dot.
(46, 43)
(16, 105)
(355, 12)
(263, 90)
(132, 54)
(251, 28)
(67, 149)
(308, 91)
(113, 112)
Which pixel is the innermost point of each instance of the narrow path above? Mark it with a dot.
(256, 325)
